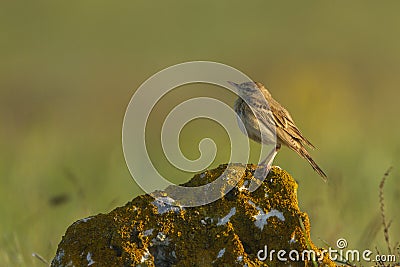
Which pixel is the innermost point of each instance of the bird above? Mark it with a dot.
(265, 117)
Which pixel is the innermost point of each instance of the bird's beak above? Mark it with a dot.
(233, 84)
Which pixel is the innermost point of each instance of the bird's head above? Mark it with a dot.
(249, 90)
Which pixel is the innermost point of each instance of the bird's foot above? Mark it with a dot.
(262, 171)
(259, 176)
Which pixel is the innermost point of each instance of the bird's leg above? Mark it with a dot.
(263, 168)
(266, 164)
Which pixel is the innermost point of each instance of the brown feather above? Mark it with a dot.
(287, 132)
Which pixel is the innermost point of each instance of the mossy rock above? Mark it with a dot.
(232, 231)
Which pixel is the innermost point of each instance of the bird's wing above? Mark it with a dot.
(286, 128)
(264, 119)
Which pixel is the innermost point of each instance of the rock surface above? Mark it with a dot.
(232, 231)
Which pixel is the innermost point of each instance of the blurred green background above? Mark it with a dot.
(69, 69)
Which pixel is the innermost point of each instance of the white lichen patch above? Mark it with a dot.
(293, 238)
(165, 204)
(89, 259)
(225, 219)
(262, 217)
(206, 220)
(86, 219)
(60, 255)
(145, 257)
(253, 204)
(161, 238)
(244, 186)
(221, 253)
(148, 232)
(83, 220)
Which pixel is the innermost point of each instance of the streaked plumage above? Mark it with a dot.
(271, 117)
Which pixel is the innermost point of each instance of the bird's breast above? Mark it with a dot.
(260, 130)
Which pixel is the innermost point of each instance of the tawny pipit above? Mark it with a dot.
(270, 117)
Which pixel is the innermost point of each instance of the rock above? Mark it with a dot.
(235, 230)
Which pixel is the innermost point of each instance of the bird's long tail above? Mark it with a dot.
(303, 152)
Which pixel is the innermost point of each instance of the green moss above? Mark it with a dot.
(137, 235)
